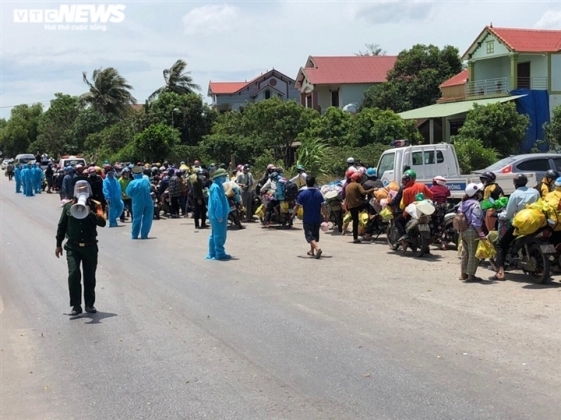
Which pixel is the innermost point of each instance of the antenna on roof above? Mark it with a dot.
(491, 25)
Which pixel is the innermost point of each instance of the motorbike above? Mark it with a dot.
(417, 228)
(532, 254)
(334, 204)
(282, 213)
(156, 204)
(235, 213)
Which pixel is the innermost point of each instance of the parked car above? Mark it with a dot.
(430, 160)
(24, 158)
(539, 163)
(5, 163)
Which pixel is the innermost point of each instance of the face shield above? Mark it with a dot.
(82, 189)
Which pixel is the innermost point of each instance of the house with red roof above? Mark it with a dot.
(228, 96)
(503, 64)
(339, 81)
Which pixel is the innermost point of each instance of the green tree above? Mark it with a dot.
(415, 79)
(106, 142)
(155, 143)
(372, 125)
(372, 50)
(221, 147)
(553, 130)
(20, 131)
(278, 123)
(473, 155)
(109, 92)
(333, 128)
(187, 113)
(88, 121)
(312, 154)
(392, 96)
(177, 81)
(55, 127)
(499, 126)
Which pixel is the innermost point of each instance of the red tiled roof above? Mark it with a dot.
(457, 80)
(137, 107)
(529, 40)
(226, 87)
(352, 69)
(522, 40)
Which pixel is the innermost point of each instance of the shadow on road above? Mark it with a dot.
(94, 318)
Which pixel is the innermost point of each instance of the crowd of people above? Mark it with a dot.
(142, 191)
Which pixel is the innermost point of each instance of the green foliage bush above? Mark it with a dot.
(472, 154)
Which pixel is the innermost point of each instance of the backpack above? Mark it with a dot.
(460, 222)
(290, 191)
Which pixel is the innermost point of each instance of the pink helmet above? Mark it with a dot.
(440, 180)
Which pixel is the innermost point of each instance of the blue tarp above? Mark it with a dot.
(536, 105)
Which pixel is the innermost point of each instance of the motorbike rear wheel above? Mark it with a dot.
(392, 237)
(542, 273)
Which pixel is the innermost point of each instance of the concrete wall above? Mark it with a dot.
(554, 101)
(353, 93)
(492, 69)
(481, 52)
(323, 97)
(555, 73)
(538, 64)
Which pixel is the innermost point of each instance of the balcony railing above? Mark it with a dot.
(487, 87)
(501, 85)
(534, 83)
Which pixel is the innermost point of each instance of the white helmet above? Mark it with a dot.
(473, 189)
(440, 180)
(351, 161)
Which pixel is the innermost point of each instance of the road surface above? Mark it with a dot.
(361, 334)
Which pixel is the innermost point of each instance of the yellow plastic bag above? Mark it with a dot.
(386, 214)
(528, 221)
(347, 218)
(300, 214)
(363, 218)
(260, 212)
(485, 249)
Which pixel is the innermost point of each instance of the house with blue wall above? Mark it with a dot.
(503, 64)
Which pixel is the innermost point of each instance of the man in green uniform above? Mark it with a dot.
(80, 227)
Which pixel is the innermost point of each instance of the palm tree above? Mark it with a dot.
(109, 92)
(177, 80)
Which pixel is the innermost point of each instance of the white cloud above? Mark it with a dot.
(549, 20)
(226, 40)
(390, 11)
(210, 19)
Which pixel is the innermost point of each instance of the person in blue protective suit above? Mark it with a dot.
(113, 196)
(142, 205)
(27, 178)
(218, 209)
(17, 176)
(38, 176)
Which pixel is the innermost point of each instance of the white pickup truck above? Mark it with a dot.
(432, 160)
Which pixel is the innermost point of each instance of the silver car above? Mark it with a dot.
(539, 163)
(5, 163)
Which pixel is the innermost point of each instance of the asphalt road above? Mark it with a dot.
(361, 334)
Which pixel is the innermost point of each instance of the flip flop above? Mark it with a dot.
(474, 279)
(318, 254)
(310, 254)
(495, 277)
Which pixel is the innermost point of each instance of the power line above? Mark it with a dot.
(32, 103)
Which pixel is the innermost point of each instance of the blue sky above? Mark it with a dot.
(233, 40)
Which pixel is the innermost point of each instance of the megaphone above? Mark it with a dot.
(80, 210)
